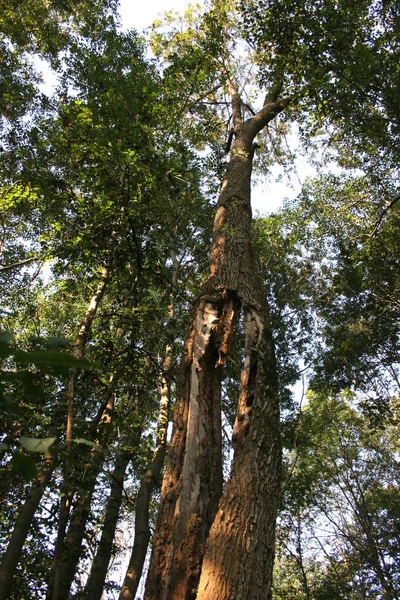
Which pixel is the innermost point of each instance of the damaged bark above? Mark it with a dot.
(241, 541)
(192, 483)
(239, 554)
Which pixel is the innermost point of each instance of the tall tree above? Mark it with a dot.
(342, 476)
(84, 188)
(287, 41)
(113, 161)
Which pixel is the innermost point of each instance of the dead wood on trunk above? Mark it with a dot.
(243, 530)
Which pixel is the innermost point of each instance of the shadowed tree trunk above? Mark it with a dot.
(90, 465)
(142, 512)
(12, 555)
(94, 587)
(54, 589)
(95, 584)
(242, 538)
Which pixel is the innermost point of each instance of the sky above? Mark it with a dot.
(139, 14)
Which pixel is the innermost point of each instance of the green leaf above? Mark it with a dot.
(5, 339)
(32, 444)
(24, 465)
(51, 358)
(86, 442)
(6, 336)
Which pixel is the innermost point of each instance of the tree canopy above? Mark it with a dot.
(138, 291)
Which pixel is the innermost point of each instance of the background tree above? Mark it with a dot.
(118, 169)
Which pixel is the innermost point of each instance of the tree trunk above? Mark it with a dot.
(193, 480)
(142, 524)
(240, 550)
(239, 555)
(89, 467)
(95, 584)
(12, 554)
(54, 588)
(142, 512)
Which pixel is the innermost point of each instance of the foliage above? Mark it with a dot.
(345, 234)
(338, 516)
(112, 179)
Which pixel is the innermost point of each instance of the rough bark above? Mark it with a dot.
(193, 480)
(239, 554)
(242, 539)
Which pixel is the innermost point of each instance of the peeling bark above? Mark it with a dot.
(241, 542)
(239, 554)
(192, 483)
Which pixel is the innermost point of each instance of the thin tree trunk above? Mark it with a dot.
(142, 520)
(244, 527)
(95, 584)
(91, 463)
(54, 588)
(373, 554)
(12, 554)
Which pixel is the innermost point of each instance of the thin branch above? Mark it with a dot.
(383, 213)
(229, 141)
(248, 107)
(18, 264)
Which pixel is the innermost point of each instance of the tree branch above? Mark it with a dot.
(268, 112)
(18, 264)
(383, 213)
(236, 102)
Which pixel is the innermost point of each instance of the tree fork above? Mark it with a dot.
(239, 553)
